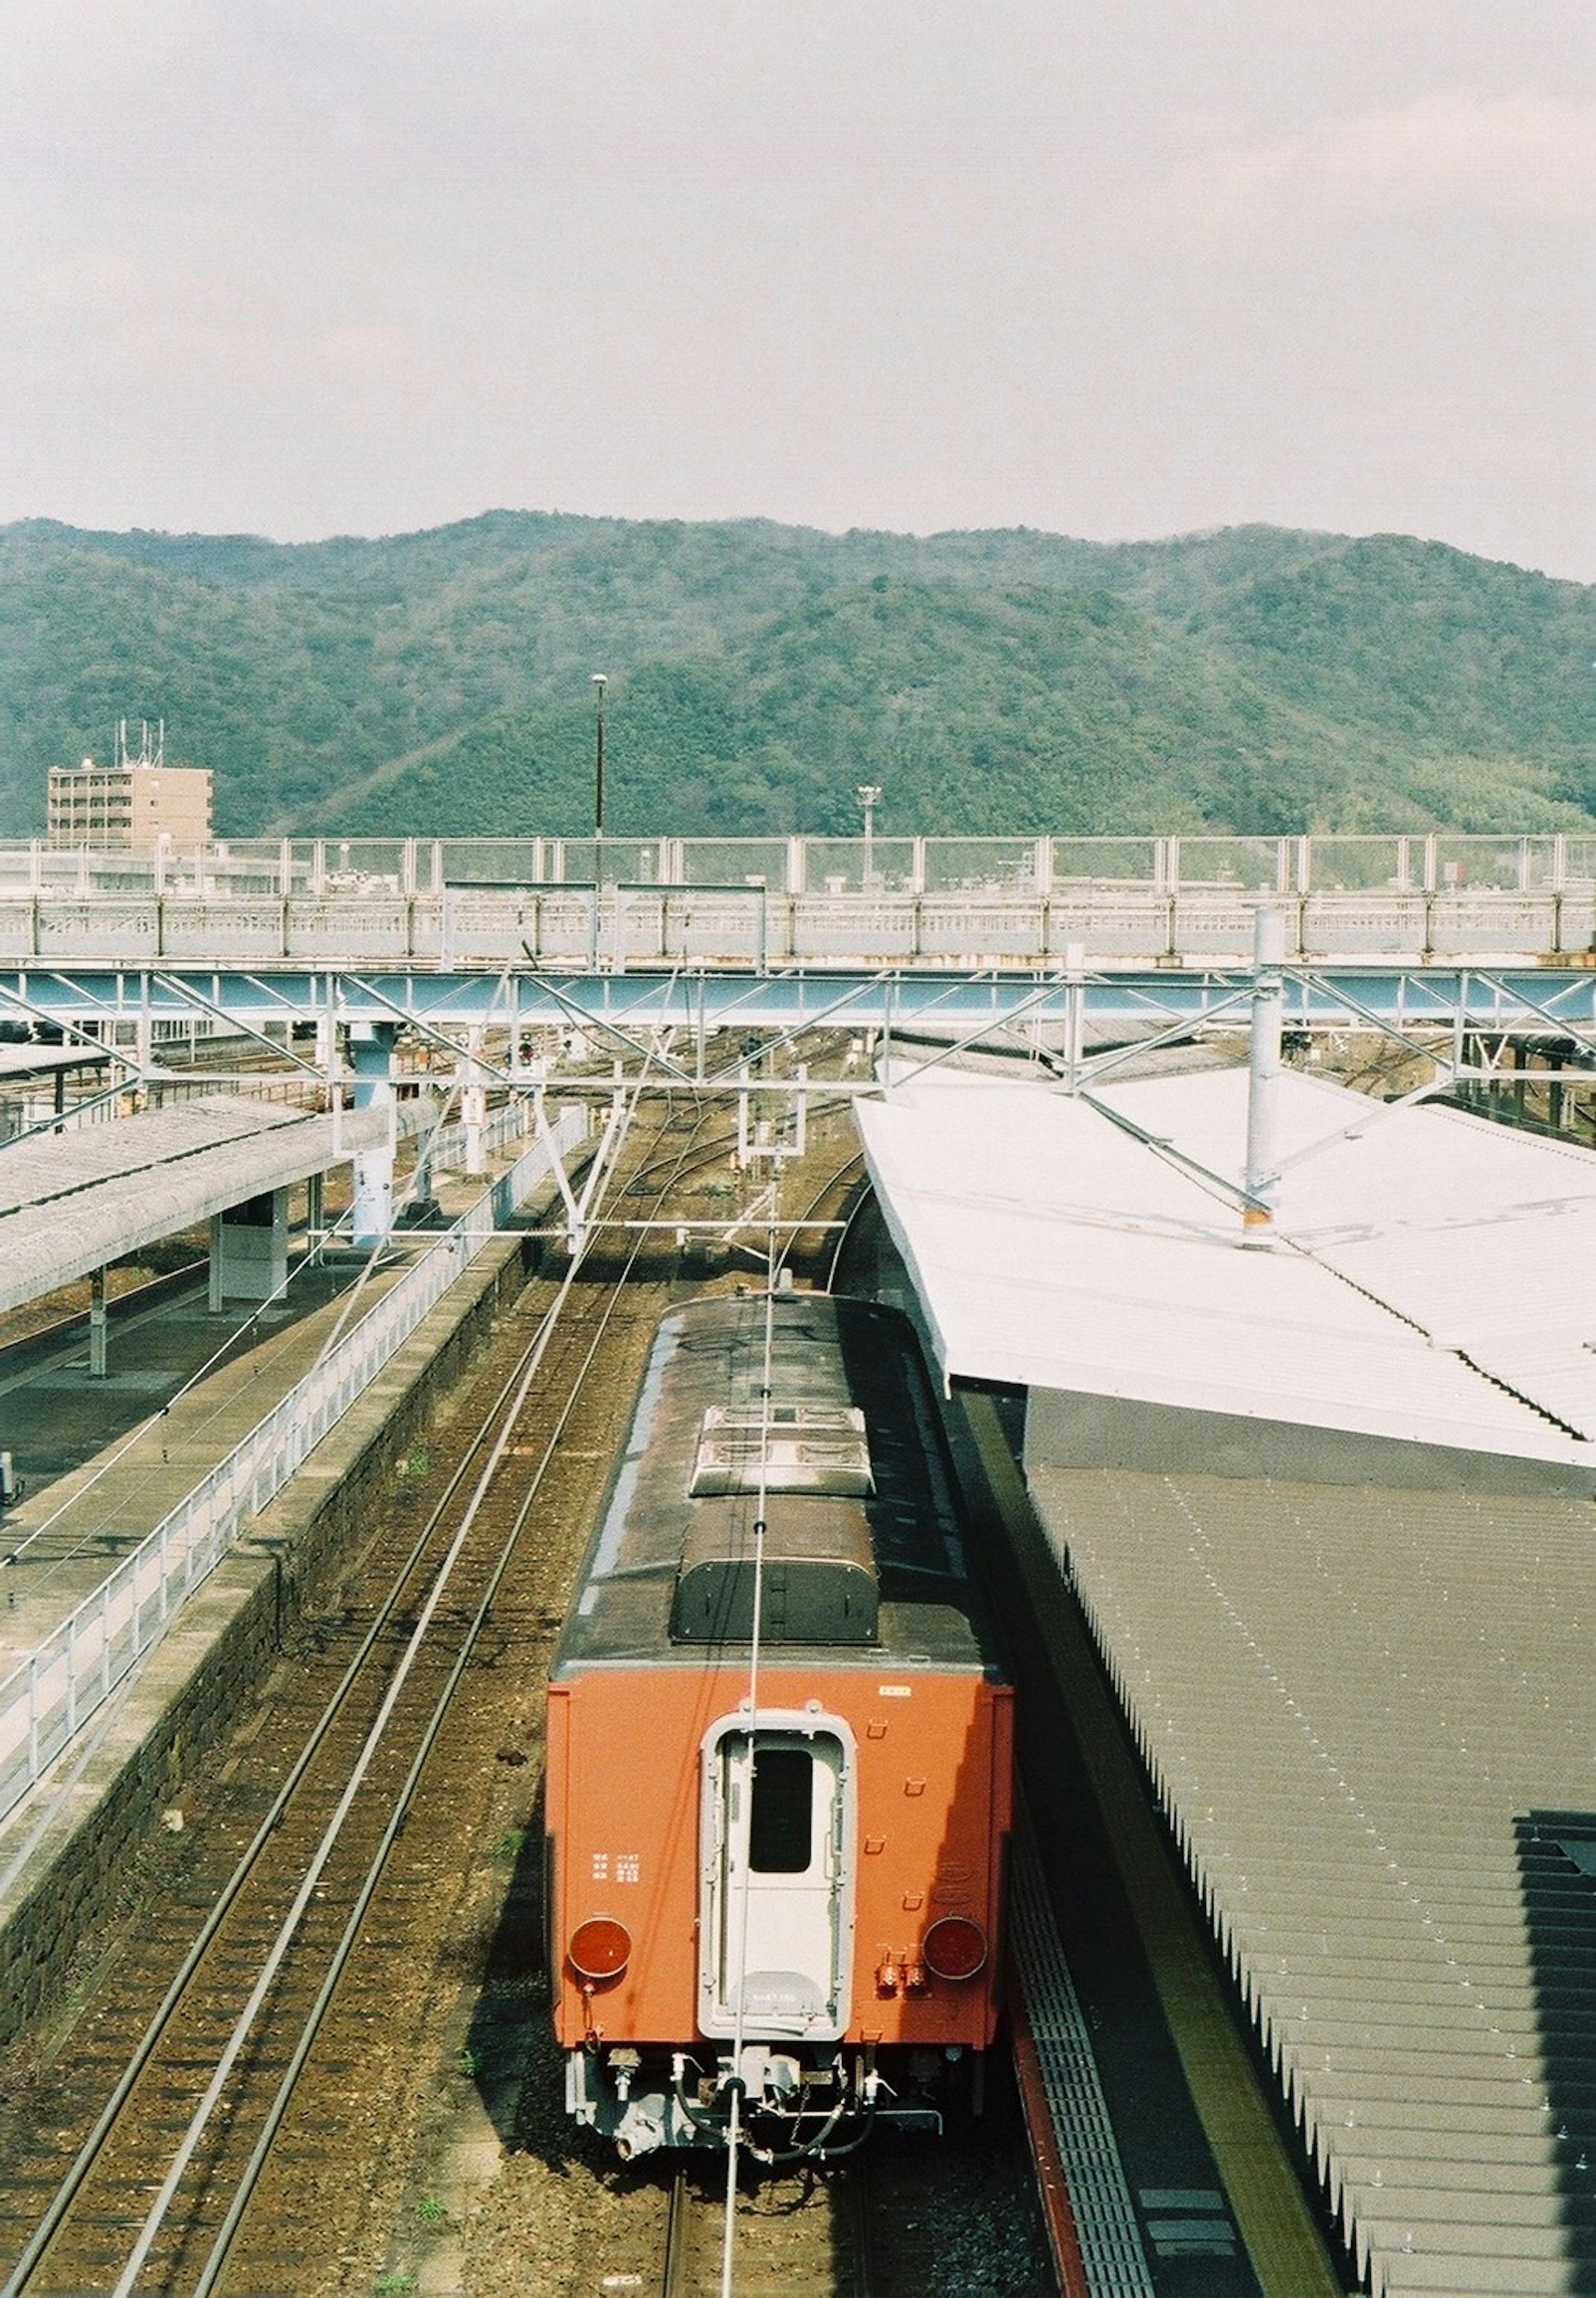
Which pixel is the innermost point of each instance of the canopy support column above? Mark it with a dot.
(97, 1324)
(371, 1056)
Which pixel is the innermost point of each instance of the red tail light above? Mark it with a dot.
(600, 1948)
(955, 1947)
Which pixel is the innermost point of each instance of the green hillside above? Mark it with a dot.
(1255, 681)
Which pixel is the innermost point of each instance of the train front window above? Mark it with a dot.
(781, 1821)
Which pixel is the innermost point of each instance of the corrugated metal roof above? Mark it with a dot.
(1370, 1716)
(1370, 1713)
(79, 1199)
(54, 1165)
(1431, 1279)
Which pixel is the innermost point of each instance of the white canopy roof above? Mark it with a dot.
(1430, 1277)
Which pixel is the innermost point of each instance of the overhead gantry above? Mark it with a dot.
(698, 1028)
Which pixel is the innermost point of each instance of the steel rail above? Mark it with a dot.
(289, 1929)
(149, 2042)
(853, 1205)
(836, 1099)
(532, 1363)
(83, 2167)
(673, 2280)
(216, 2264)
(850, 2269)
(855, 2182)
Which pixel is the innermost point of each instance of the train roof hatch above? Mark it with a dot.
(820, 1584)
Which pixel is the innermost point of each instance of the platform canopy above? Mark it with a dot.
(1429, 1281)
(1364, 1699)
(25, 1064)
(73, 1201)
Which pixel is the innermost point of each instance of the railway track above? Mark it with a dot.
(293, 2181)
(868, 2229)
(209, 2135)
(802, 2234)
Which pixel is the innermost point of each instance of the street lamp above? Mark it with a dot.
(870, 798)
(600, 683)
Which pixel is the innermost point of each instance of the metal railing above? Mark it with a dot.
(584, 905)
(49, 1697)
(450, 1145)
(269, 872)
(588, 929)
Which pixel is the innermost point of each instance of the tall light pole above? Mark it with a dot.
(870, 798)
(600, 683)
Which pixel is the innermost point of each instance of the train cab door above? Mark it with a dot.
(776, 1912)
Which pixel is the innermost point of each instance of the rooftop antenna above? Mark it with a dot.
(148, 756)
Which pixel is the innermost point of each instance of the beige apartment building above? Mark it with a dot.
(130, 807)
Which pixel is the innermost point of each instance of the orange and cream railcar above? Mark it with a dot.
(775, 1862)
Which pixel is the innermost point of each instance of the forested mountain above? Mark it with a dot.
(1255, 680)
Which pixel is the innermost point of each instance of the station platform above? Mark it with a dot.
(104, 1459)
(1322, 1498)
(107, 1460)
(75, 1201)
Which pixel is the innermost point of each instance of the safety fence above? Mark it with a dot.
(272, 871)
(450, 1145)
(48, 1699)
(591, 928)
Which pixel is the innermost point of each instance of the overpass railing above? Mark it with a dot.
(584, 903)
(238, 869)
(590, 928)
(49, 1697)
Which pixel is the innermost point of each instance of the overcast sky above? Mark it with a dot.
(1114, 268)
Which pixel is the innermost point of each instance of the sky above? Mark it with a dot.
(1111, 268)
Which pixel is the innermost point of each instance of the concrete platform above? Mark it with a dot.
(105, 1460)
(65, 1844)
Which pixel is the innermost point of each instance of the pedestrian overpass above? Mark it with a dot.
(705, 962)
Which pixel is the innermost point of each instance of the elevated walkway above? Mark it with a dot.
(609, 928)
(875, 899)
(716, 1009)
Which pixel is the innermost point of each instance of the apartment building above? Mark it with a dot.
(130, 806)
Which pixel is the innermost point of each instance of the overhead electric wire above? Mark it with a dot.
(744, 1868)
(519, 1381)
